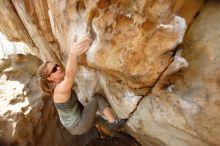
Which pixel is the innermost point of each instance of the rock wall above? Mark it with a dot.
(135, 59)
(186, 111)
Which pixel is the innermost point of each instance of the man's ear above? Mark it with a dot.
(49, 78)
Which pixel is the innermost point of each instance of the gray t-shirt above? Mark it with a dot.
(69, 111)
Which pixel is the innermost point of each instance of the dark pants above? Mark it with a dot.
(88, 115)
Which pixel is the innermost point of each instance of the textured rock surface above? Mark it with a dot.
(11, 22)
(22, 120)
(132, 59)
(120, 31)
(186, 111)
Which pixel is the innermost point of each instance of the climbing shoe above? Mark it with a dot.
(117, 124)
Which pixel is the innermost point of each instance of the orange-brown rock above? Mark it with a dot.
(135, 60)
(186, 110)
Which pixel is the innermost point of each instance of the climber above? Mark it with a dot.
(57, 83)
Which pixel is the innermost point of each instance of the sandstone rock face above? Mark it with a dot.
(133, 59)
(186, 111)
(126, 42)
(22, 120)
(11, 22)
